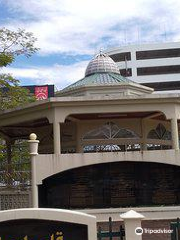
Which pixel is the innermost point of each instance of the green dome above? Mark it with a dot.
(101, 72)
(98, 79)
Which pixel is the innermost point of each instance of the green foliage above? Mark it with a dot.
(16, 43)
(11, 94)
(13, 44)
(17, 173)
(6, 59)
(2, 150)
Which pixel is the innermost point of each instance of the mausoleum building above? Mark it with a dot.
(106, 144)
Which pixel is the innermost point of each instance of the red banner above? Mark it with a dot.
(41, 92)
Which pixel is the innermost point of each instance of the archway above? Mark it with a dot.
(109, 185)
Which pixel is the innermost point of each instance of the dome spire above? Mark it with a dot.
(100, 51)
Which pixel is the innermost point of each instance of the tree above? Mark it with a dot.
(13, 44)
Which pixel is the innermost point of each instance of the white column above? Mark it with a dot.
(132, 222)
(144, 140)
(57, 138)
(134, 63)
(174, 133)
(79, 148)
(33, 183)
(33, 146)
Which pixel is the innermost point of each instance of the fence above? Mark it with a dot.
(15, 175)
(15, 185)
(175, 226)
(111, 234)
(13, 199)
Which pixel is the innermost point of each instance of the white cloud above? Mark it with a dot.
(60, 75)
(73, 27)
(78, 27)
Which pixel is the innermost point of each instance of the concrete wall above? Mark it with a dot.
(150, 213)
(48, 165)
(53, 214)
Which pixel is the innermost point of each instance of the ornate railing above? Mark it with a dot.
(15, 175)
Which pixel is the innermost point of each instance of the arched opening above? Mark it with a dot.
(110, 185)
(14, 154)
(108, 132)
(111, 137)
(160, 137)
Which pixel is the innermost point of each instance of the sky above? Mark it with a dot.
(70, 32)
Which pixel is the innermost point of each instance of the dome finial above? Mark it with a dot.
(101, 51)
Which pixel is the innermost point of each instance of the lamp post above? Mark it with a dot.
(33, 151)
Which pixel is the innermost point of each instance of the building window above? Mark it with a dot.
(162, 53)
(158, 70)
(126, 72)
(121, 57)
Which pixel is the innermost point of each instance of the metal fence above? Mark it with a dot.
(15, 185)
(175, 226)
(15, 175)
(110, 234)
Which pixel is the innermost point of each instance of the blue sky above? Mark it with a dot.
(70, 32)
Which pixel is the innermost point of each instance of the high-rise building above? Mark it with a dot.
(144, 63)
